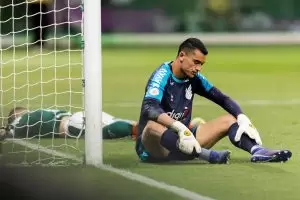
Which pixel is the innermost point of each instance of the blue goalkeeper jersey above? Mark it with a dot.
(174, 96)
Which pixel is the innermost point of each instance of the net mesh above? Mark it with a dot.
(41, 69)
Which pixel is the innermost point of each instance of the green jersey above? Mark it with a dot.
(43, 122)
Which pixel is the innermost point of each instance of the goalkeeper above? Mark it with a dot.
(166, 110)
(48, 123)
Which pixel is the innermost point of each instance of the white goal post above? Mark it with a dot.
(93, 81)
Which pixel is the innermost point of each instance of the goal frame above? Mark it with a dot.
(92, 81)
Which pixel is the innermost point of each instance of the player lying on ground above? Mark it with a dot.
(166, 112)
(50, 123)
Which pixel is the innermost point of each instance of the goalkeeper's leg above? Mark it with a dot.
(258, 152)
(159, 144)
(209, 133)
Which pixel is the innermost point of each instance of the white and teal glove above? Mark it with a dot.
(187, 142)
(245, 126)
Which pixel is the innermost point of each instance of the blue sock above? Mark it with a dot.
(169, 140)
(256, 148)
(246, 143)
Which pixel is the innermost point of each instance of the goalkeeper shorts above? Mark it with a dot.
(145, 156)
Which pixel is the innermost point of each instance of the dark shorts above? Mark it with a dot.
(173, 156)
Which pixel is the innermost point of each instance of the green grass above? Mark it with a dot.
(255, 73)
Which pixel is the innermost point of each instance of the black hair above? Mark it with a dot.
(11, 115)
(192, 44)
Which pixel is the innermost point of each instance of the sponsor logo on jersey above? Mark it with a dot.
(188, 93)
(158, 77)
(176, 116)
(154, 91)
(179, 115)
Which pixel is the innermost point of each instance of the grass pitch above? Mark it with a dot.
(264, 80)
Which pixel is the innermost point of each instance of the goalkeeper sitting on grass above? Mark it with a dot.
(163, 132)
(48, 123)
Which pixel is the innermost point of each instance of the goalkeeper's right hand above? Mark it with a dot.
(187, 142)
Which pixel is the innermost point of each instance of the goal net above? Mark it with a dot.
(41, 70)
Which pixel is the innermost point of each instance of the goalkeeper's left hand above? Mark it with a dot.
(187, 143)
(245, 126)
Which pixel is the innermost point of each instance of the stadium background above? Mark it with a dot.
(197, 16)
(253, 56)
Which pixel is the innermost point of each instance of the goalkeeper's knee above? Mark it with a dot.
(75, 126)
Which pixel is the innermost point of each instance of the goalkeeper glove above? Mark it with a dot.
(245, 126)
(187, 143)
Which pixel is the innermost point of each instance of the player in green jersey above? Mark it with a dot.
(48, 123)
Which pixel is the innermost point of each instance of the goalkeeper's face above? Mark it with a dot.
(191, 62)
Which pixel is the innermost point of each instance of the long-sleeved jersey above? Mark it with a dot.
(164, 93)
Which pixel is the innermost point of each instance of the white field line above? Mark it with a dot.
(125, 173)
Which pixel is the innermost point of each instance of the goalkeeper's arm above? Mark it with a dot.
(245, 125)
(153, 111)
(187, 142)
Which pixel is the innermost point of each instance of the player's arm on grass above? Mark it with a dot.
(112, 128)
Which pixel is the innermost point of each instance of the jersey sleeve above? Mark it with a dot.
(151, 106)
(201, 85)
(209, 91)
(228, 104)
(157, 83)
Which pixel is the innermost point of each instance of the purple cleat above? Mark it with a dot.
(267, 155)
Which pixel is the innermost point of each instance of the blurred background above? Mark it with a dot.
(200, 15)
(156, 16)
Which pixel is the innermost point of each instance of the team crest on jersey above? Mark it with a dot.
(154, 91)
(188, 93)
